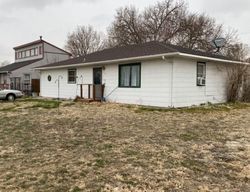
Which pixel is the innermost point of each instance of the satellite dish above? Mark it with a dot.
(219, 43)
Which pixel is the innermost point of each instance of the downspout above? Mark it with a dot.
(171, 81)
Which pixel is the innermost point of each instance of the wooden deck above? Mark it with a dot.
(91, 92)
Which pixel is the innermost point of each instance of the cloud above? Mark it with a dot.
(12, 4)
(234, 7)
(35, 4)
(7, 20)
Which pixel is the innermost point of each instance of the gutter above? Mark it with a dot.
(212, 59)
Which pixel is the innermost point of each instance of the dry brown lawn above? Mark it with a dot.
(111, 147)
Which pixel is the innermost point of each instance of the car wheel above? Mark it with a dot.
(11, 97)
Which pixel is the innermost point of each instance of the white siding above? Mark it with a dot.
(185, 89)
(155, 84)
(159, 86)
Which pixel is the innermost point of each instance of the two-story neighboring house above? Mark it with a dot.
(21, 75)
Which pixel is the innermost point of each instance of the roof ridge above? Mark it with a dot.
(120, 47)
(166, 45)
(37, 42)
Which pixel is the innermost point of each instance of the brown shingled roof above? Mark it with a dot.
(130, 51)
(17, 65)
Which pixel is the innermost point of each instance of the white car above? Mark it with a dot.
(10, 95)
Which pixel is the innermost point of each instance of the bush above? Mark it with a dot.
(238, 83)
(246, 87)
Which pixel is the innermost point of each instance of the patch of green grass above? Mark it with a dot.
(130, 152)
(206, 108)
(76, 189)
(8, 109)
(129, 182)
(46, 104)
(100, 163)
(43, 103)
(107, 147)
(195, 165)
(189, 136)
(68, 104)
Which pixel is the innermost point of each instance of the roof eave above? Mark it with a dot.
(212, 59)
(145, 58)
(28, 44)
(111, 61)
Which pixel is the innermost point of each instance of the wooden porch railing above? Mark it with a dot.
(92, 92)
(4, 86)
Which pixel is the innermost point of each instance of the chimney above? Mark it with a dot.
(41, 37)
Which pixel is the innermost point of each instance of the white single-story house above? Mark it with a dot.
(151, 74)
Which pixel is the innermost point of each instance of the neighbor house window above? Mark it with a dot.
(40, 50)
(23, 54)
(32, 52)
(19, 55)
(201, 74)
(26, 79)
(130, 75)
(28, 53)
(72, 76)
(36, 51)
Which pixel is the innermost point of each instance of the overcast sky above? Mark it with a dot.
(22, 21)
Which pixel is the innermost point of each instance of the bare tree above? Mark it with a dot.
(238, 74)
(235, 85)
(237, 51)
(159, 22)
(127, 28)
(83, 40)
(167, 21)
(162, 21)
(197, 32)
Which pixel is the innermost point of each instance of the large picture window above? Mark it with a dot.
(130, 75)
(72, 76)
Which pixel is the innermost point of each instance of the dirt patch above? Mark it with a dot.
(111, 147)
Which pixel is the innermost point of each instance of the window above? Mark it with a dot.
(23, 54)
(201, 74)
(130, 75)
(28, 53)
(40, 50)
(20, 55)
(72, 76)
(26, 79)
(36, 51)
(32, 52)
